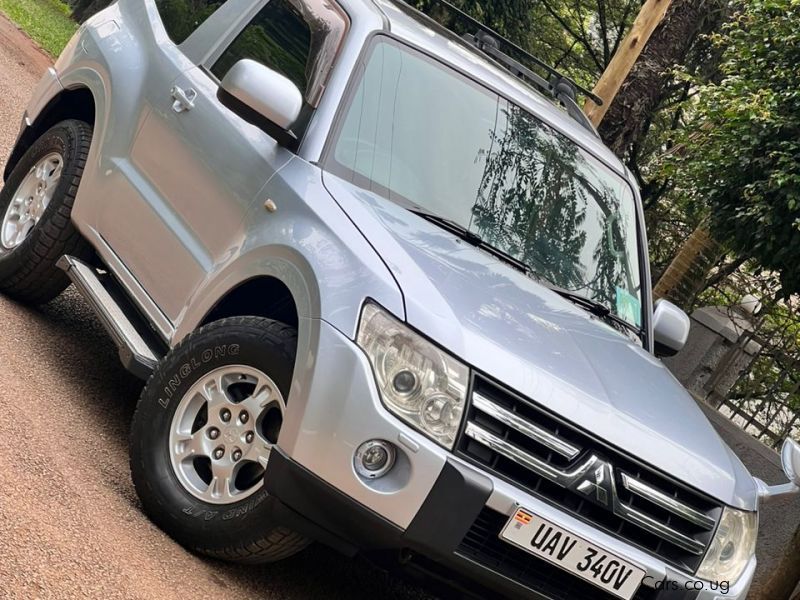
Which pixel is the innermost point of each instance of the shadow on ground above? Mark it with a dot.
(87, 362)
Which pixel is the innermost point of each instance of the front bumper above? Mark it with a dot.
(434, 510)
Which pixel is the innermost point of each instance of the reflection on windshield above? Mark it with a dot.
(419, 133)
(541, 200)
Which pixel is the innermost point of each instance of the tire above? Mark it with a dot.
(239, 530)
(28, 269)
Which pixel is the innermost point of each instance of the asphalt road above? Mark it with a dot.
(70, 523)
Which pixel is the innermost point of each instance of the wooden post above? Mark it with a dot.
(688, 270)
(650, 15)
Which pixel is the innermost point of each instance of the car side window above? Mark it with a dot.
(182, 17)
(277, 37)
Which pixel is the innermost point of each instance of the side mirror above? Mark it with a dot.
(670, 328)
(790, 459)
(262, 97)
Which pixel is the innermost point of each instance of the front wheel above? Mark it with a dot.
(35, 213)
(202, 435)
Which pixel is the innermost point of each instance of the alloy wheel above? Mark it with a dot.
(30, 200)
(223, 432)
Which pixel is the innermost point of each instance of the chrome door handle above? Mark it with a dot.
(184, 100)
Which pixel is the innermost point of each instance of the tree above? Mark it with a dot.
(511, 18)
(686, 274)
(741, 156)
(617, 71)
(182, 13)
(579, 37)
(642, 121)
(632, 110)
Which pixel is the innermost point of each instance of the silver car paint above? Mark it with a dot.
(323, 436)
(672, 325)
(194, 250)
(529, 339)
(175, 220)
(546, 348)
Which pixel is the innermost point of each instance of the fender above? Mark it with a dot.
(281, 262)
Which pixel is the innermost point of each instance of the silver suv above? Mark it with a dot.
(388, 290)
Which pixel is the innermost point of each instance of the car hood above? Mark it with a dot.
(522, 334)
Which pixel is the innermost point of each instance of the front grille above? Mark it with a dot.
(483, 545)
(567, 467)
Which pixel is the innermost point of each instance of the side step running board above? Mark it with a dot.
(137, 355)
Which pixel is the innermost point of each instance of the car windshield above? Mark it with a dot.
(418, 132)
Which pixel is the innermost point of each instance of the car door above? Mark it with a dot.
(197, 167)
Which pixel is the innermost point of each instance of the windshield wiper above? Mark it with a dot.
(472, 238)
(596, 308)
(592, 306)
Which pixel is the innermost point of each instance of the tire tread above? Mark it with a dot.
(36, 279)
(276, 542)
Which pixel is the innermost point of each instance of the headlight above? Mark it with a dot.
(732, 546)
(422, 385)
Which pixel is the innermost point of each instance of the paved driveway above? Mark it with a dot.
(70, 524)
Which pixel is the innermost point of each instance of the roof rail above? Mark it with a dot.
(558, 86)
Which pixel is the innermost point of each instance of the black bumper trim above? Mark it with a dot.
(314, 508)
(318, 510)
(456, 500)
(433, 544)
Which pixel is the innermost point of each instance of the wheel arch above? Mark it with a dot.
(74, 103)
(261, 296)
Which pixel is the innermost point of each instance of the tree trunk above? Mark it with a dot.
(650, 15)
(642, 91)
(687, 273)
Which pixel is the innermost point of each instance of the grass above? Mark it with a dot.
(47, 22)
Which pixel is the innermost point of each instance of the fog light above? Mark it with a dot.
(374, 459)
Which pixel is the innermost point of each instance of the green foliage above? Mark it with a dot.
(511, 18)
(578, 37)
(182, 17)
(254, 42)
(276, 37)
(740, 157)
(47, 22)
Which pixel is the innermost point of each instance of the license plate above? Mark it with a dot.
(566, 550)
